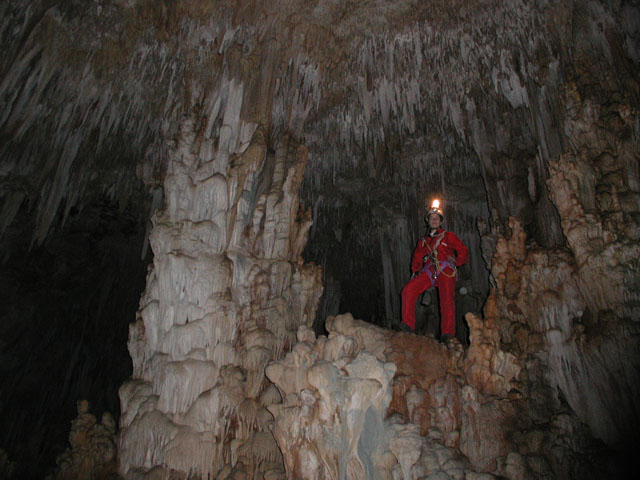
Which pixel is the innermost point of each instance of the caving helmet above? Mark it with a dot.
(435, 208)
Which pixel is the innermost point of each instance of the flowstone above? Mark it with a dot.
(348, 411)
(368, 403)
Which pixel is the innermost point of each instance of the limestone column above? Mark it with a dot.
(226, 294)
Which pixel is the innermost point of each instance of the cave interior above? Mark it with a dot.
(522, 117)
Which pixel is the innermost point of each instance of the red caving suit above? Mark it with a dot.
(449, 247)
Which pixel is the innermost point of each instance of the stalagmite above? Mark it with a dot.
(92, 447)
(202, 338)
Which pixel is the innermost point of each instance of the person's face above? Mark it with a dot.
(434, 220)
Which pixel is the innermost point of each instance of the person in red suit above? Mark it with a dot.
(434, 264)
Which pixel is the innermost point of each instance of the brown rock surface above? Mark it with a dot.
(92, 451)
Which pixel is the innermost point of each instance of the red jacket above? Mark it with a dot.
(450, 247)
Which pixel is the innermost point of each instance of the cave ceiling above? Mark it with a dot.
(401, 93)
(396, 102)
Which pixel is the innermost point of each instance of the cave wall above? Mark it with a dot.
(73, 224)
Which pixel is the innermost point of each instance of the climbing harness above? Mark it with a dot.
(431, 259)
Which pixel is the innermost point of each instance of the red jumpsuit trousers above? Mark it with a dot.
(449, 251)
(446, 290)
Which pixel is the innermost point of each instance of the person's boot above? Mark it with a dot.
(446, 338)
(406, 328)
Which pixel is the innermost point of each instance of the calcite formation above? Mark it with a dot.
(576, 308)
(337, 392)
(226, 294)
(92, 448)
(366, 403)
(542, 317)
